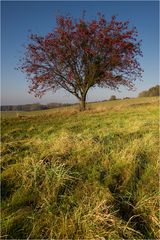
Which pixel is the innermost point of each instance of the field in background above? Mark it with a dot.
(81, 175)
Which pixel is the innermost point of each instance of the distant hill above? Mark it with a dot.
(31, 107)
(154, 91)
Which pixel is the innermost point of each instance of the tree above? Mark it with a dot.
(154, 91)
(113, 97)
(79, 55)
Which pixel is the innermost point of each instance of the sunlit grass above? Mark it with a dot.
(81, 175)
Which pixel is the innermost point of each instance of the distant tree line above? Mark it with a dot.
(31, 107)
(154, 91)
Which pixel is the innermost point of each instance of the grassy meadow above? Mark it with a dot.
(81, 175)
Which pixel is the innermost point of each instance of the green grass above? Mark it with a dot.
(81, 175)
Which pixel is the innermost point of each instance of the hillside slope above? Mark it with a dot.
(81, 175)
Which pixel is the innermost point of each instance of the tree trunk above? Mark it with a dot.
(83, 103)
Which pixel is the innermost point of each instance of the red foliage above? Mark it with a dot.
(79, 55)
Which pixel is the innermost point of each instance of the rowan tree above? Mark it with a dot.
(79, 55)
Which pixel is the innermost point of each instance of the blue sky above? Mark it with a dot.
(39, 16)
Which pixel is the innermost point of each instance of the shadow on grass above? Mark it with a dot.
(125, 200)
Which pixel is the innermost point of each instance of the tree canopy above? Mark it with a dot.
(79, 55)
